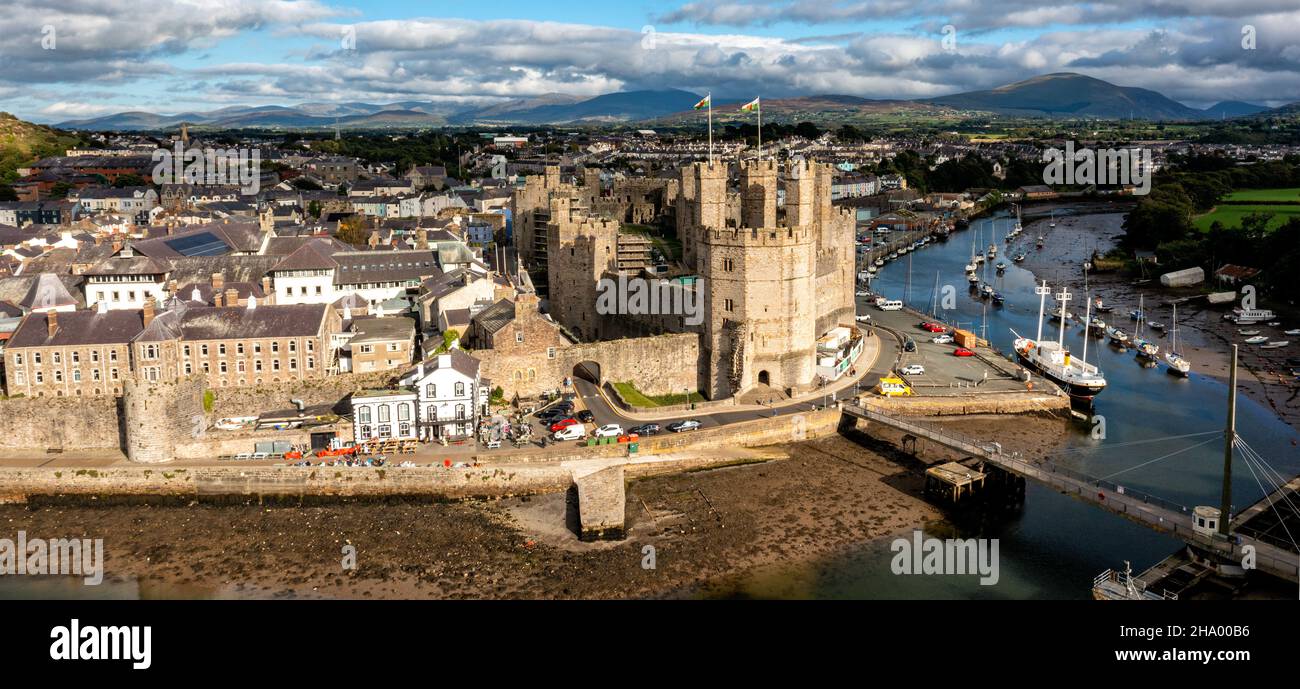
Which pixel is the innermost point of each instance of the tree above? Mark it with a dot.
(7, 193)
(124, 181)
(353, 230)
(314, 209)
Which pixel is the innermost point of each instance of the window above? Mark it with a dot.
(18, 360)
(222, 368)
(151, 351)
(94, 356)
(460, 389)
(550, 352)
(257, 366)
(112, 356)
(384, 413)
(726, 304)
(275, 347)
(112, 373)
(403, 412)
(404, 429)
(206, 367)
(76, 375)
(363, 414)
(257, 347)
(275, 364)
(203, 349)
(39, 378)
(519, 336)
(239, 366)
(394, 346)
(76, 357)
(311, 363)
(239, 348)
(221, 349)
(19, 378)
(728, 264)
(293, 364)
(293, 346)
(460, 412)
(57, 357)
(311, 346)
(58, 375)
(94, 375)
(36, 358)
(366, 349)
(430, 390)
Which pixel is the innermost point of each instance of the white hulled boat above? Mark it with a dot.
(1053, 360)
(1177, 364)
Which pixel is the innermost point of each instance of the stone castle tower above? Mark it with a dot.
(774, 281)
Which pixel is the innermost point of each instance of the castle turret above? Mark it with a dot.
(758, 191)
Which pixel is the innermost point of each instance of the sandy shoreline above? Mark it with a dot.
(829, 495)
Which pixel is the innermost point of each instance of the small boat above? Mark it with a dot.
(1135, 315)
(1294, 331)
(1256, 340)
(993, 250)
(1158, 327)
(880, 262)
(863, 293)
(987, 291)
(871, 269)
(1177, 364)
(1056, 316)
(1117, 336)
(1002, 266)
(998, 299)
(974, 280)
(1275, 344)
(1274, 324)
(1097, 324)
(1053, 221)
(1040, 241)
(864, 275)
(1248, 332)
(970, 267)
(1145, 349)
(1019, 257)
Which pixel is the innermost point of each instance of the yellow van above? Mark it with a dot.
(893, 387)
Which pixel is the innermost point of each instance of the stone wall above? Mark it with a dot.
(59, 423)
(253, 400)
(658, 365)
(158, 415)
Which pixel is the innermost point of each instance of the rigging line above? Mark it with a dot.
(1252, 454)
(1280, 519)
(1128, 443)
(1157, 459)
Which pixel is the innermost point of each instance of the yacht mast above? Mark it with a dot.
(1087, 325)
(1064, 296)
(1042, 292)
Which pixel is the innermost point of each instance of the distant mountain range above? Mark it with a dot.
(1063, 94)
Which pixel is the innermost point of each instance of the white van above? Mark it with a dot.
(890, 305)
(575, 432)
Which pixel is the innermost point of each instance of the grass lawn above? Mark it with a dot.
(668, 246)
(1231, 216)
(1264, 196)
(634, 397)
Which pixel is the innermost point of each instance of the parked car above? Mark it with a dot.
(574, 432)
(932, 327)
(909, 345)
(644, 429)
(913, 370)
(586, 416)
(962, 351)
(942, 339)
(564, 423)
(609, 430)
(682, 426)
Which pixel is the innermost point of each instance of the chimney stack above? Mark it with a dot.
(232, 297)
(52, 322)
(218, 282)
(218, 298)
(148, 311)
(267, 293)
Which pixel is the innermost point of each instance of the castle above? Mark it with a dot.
(773, 259)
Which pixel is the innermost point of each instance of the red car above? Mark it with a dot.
(933, 327)
(962, 351)
(563, 423)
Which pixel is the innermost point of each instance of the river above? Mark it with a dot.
(1055, 545)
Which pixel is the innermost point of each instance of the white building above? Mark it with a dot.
(452, 395)
(126, 281)
(383, 415)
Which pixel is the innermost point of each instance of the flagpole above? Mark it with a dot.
(760, 131)
(710, 129)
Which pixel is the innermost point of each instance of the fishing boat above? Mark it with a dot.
(1294, 331)
(1053, 360)
(1117, 337)
(1096, 324)
(1113, 585)
(1275, 344)
(1247, 332)
(1100, 307)
(1177, 364)
(1256, 340)
(1019, 257)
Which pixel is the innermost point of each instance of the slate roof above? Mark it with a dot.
(47, 292)
(77, 328)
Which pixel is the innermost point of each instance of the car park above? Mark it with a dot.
(683, 426)
(609, 430)
(913, 370)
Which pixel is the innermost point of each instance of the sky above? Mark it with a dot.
(62, 60)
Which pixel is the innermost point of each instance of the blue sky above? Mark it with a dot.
(191, 55)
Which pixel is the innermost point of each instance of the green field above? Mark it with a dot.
(1264, 196)
(634, 397)
(1231, 216)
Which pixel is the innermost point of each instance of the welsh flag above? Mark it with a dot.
(751, 106)
(704, 102)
